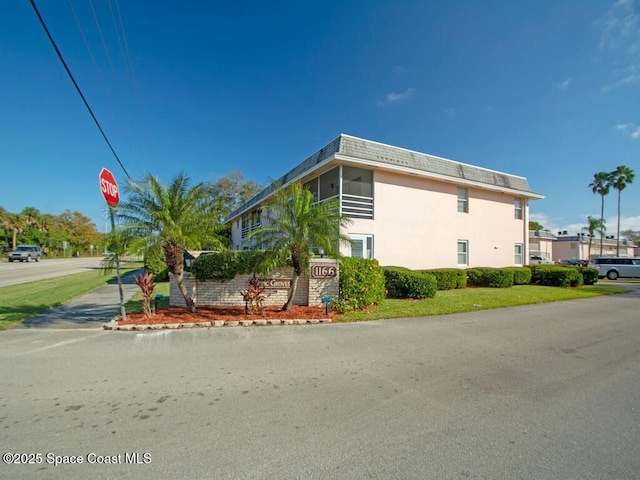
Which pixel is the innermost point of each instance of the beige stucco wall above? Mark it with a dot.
(310, 291)
(416, 224)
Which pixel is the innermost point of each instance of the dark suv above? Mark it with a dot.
(25, 253)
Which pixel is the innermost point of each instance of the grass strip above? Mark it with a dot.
(22, 301)
(472, 299)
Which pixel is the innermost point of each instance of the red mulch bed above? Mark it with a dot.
(230, 314)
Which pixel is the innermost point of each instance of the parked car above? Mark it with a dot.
(536, 259)
(575, 263)
(616, 267)
(25, 253)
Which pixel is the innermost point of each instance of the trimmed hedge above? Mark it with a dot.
(521, 275)
(490, 277)
(589, 275)
(361, 284)
(448, 278)
(404, 283)
(556, 276)
(225, 265)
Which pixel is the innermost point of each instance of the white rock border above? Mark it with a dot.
(114, 326)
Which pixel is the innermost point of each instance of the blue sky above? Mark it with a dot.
(549, 90)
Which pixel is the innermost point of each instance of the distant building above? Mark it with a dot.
(541, 244)
(576, 247)
(409, 208)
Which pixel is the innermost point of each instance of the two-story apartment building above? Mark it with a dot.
(409, 208)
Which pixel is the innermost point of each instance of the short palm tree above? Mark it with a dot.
(595, 225)
(172, 217)
(619, 179)
(601, 186)
(294, 224)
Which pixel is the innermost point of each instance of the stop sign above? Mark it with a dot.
(109, 188)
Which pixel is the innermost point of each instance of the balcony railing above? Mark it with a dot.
(357, 206)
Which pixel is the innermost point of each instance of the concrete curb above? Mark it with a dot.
(114, 326)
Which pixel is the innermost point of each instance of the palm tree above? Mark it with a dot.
(601, 186)
(172, 217)
(595, 225)
(619, 179)
(293, 226)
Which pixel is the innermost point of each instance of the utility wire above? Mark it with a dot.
(78, 88)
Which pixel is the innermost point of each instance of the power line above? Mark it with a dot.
(78, 88)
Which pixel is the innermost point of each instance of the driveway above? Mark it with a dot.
(539, 392)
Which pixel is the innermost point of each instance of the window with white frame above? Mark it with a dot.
(518, 208)
(518, 254)
(463, 200)
(463, 252)
(361, 246)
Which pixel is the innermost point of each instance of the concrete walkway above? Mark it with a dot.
(92, 310)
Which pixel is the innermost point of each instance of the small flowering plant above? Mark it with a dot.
(147, 285)
(254, 296)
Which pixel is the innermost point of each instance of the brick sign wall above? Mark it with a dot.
(310, 291)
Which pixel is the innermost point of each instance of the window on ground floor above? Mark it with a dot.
(518, 254)
(463, 252)
(361, 246)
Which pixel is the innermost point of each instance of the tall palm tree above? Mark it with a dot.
(173, 217)
(619, 179)
(293, 226)
(601, 186)
(595, 225)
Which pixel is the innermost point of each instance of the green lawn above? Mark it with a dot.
(472, 299)
(19, 302)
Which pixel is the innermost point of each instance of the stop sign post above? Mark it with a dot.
(109, 188)
(111, 194)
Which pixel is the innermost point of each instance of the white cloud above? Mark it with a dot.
(620, 36)
(629, 129)
(394, 97)
(564, 84)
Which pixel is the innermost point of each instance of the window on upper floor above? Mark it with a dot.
(518, 208)
(463, 200)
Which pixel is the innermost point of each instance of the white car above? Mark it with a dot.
(615, 267)
(536, 259)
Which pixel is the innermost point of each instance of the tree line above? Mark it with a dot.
(70, 233)
(602, 184)
(79, 234)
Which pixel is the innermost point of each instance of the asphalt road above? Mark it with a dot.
(16, 272)
(539, 392)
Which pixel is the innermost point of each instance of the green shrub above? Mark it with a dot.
(226, 264)
(449, 278)
(589, 275)
(555, 276)
(404, 283)
(155, 262)
(361, 284)
(394, 281)
(490, 277)
(521, 275)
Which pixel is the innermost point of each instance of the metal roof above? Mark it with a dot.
(379, 155)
